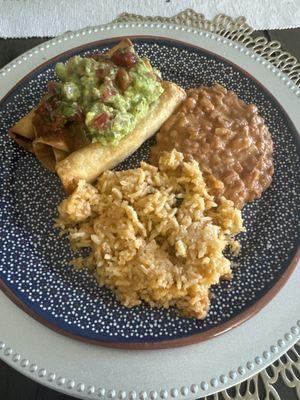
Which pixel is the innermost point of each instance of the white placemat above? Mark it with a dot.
(27, 18)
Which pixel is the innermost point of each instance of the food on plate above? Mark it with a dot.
(23, 133)
(155, 234)
(88, 162)
(227, 137)
(101, 110)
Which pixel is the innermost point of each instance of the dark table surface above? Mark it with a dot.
(13, 385)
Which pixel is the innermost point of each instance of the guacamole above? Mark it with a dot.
(106, 95)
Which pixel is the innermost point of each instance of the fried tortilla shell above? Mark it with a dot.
(23, 133)
(90, 161)
(71, 153)
(50, 147)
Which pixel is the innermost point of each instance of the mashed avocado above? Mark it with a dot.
(112, 94)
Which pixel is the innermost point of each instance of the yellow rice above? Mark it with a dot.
(155, 234)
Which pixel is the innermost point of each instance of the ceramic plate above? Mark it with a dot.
(34, 271)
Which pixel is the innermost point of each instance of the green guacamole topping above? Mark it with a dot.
(110, 94)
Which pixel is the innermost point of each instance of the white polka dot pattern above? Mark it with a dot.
(34, 261)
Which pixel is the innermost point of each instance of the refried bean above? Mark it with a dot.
(227, 137)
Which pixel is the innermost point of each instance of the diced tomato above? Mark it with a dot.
(46, 107)
(52, 86)
(124, 59)
(78, 116)
(105, 69)
(122, 79)
(107, 93)
(100, 121)
(103, 73)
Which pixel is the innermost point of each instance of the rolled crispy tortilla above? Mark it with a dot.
(23, 133)
(49, 149)
(60, 155)
(90, 161)
(45, 155)
(71, 153)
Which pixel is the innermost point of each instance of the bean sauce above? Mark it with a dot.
(228, 138)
